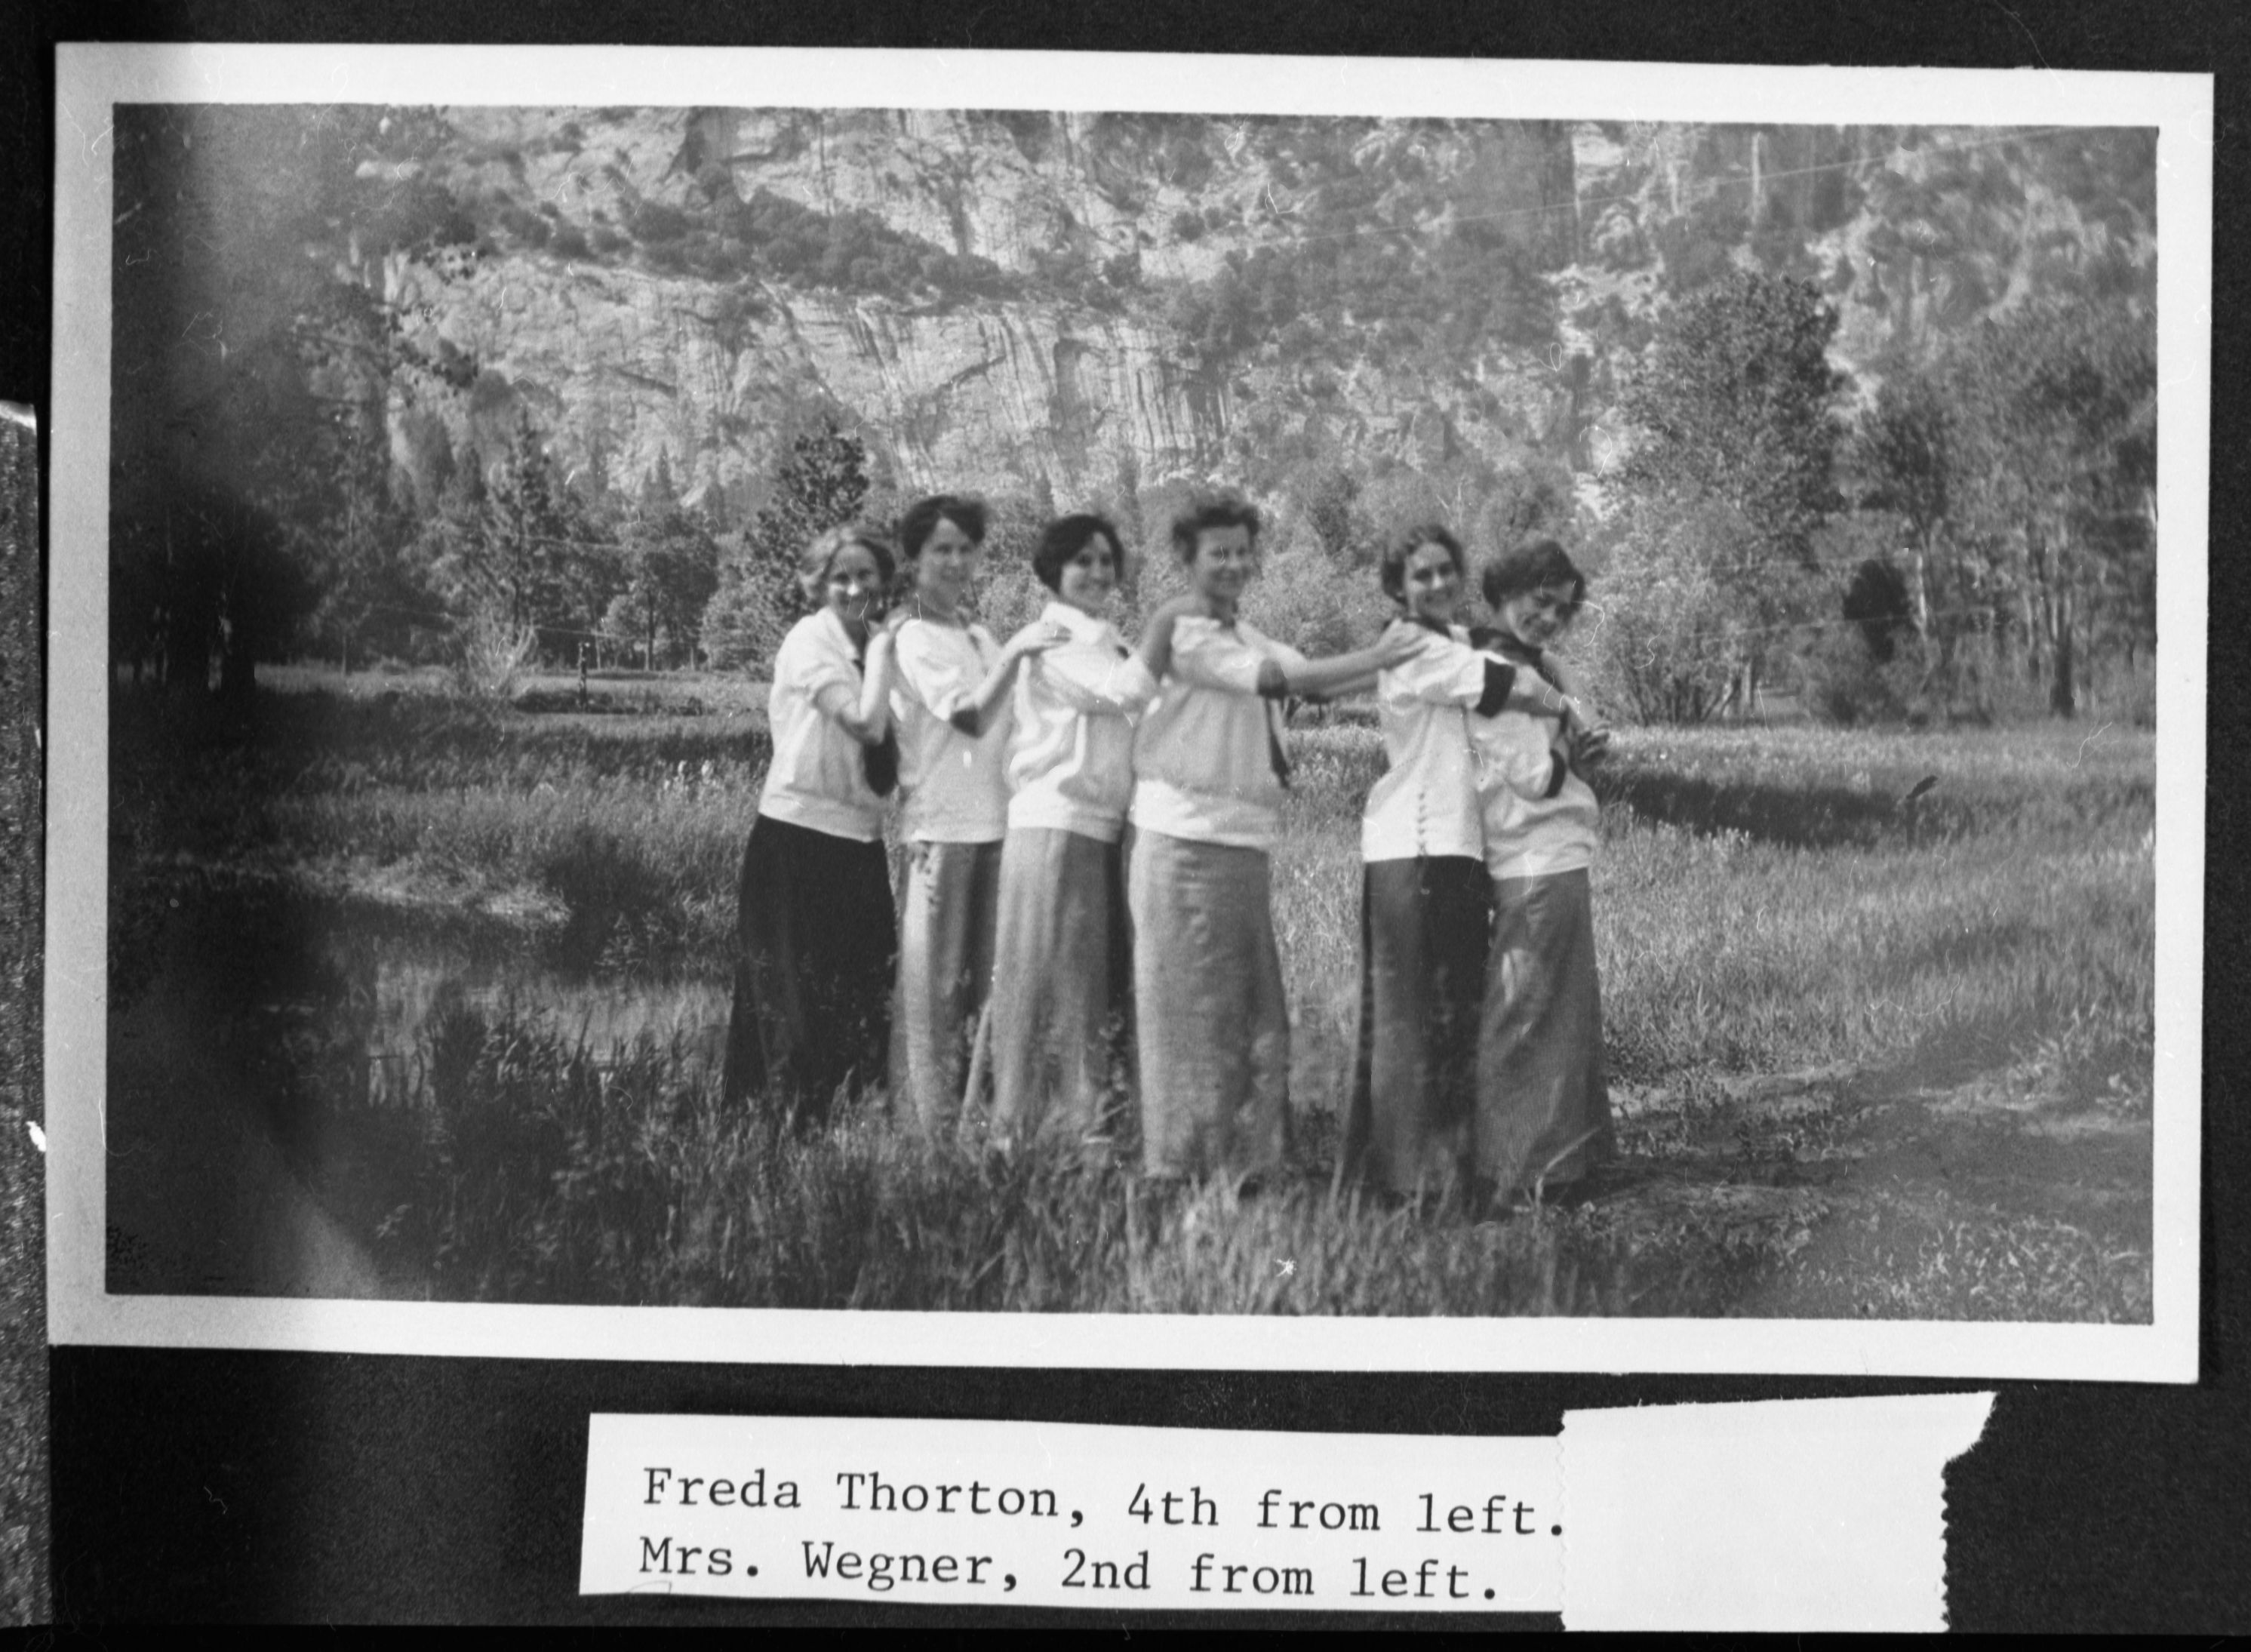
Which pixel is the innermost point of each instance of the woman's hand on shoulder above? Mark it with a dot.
(1038, 638)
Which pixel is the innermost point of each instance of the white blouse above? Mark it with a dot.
(955, 785)
(1070, 767)
(1426, 803)
(1540, 818)
(817, 777)
(1205, 756)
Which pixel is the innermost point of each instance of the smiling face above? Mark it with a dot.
(1088, 580)
(1224, 561)
(1537, 617)
(854, 586)
(946, 567)
(1431, 584)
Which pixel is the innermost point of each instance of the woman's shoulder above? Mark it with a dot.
(936, 635)
(817, 634)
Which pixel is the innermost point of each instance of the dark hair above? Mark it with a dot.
(1207, 512)
(1534, 564)
(815, 560)
(1063, 539)
(1393, 569)
(923, 516)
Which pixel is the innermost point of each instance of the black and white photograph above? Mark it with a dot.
(1431, 719)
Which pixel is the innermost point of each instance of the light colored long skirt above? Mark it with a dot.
(1543, 1109)
(1423, 936)
(947, 907)
(1058, 1008)
(1214, 1024)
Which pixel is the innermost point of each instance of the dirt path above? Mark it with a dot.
(1837, 1195)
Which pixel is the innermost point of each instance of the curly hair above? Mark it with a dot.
(1207, 512)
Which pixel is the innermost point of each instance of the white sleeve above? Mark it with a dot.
(1443, 672)
(1089, 679)
(933, 673)
(809, 664)
(1207, 657)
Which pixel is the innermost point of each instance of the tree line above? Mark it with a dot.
(1982, 522)
(1984, 526)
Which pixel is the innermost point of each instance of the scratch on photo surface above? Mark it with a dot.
(2013, 17)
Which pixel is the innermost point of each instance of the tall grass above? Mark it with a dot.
(532, 1171)
(1780, 901)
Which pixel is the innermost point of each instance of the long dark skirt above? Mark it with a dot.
(1213, 1020)
(1543, 1109)
(1423, 923)
(949, 906)
(815, 943)
(1060, 988)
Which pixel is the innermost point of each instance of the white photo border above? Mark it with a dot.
(90, 80)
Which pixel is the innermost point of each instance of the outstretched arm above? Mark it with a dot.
(975, 717)
(1339, 673)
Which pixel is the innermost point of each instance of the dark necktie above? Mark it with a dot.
(1275, 753)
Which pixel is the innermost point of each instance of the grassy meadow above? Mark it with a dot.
(1873, 1054)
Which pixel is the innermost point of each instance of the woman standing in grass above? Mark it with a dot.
(815, 930)
(951, 700)
(1543, 1109)
(1425, 903)
(1059, 986)
(1215, 1027)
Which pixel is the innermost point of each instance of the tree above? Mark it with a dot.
(521, 550)
(671, 571)
(208, 577)
(822, 485)
(1736, 410)
(2059, 470)
(1738, 403)
(256, 358)
(1668, 629)
(1905, 449)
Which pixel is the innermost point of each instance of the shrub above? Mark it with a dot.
(491, 655)
(1658, 624)
(654, 223)
(1843, 681)
(1303, 598)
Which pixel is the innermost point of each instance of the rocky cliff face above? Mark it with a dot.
(629, 296)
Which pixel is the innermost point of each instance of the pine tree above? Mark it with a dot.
(822, 485)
